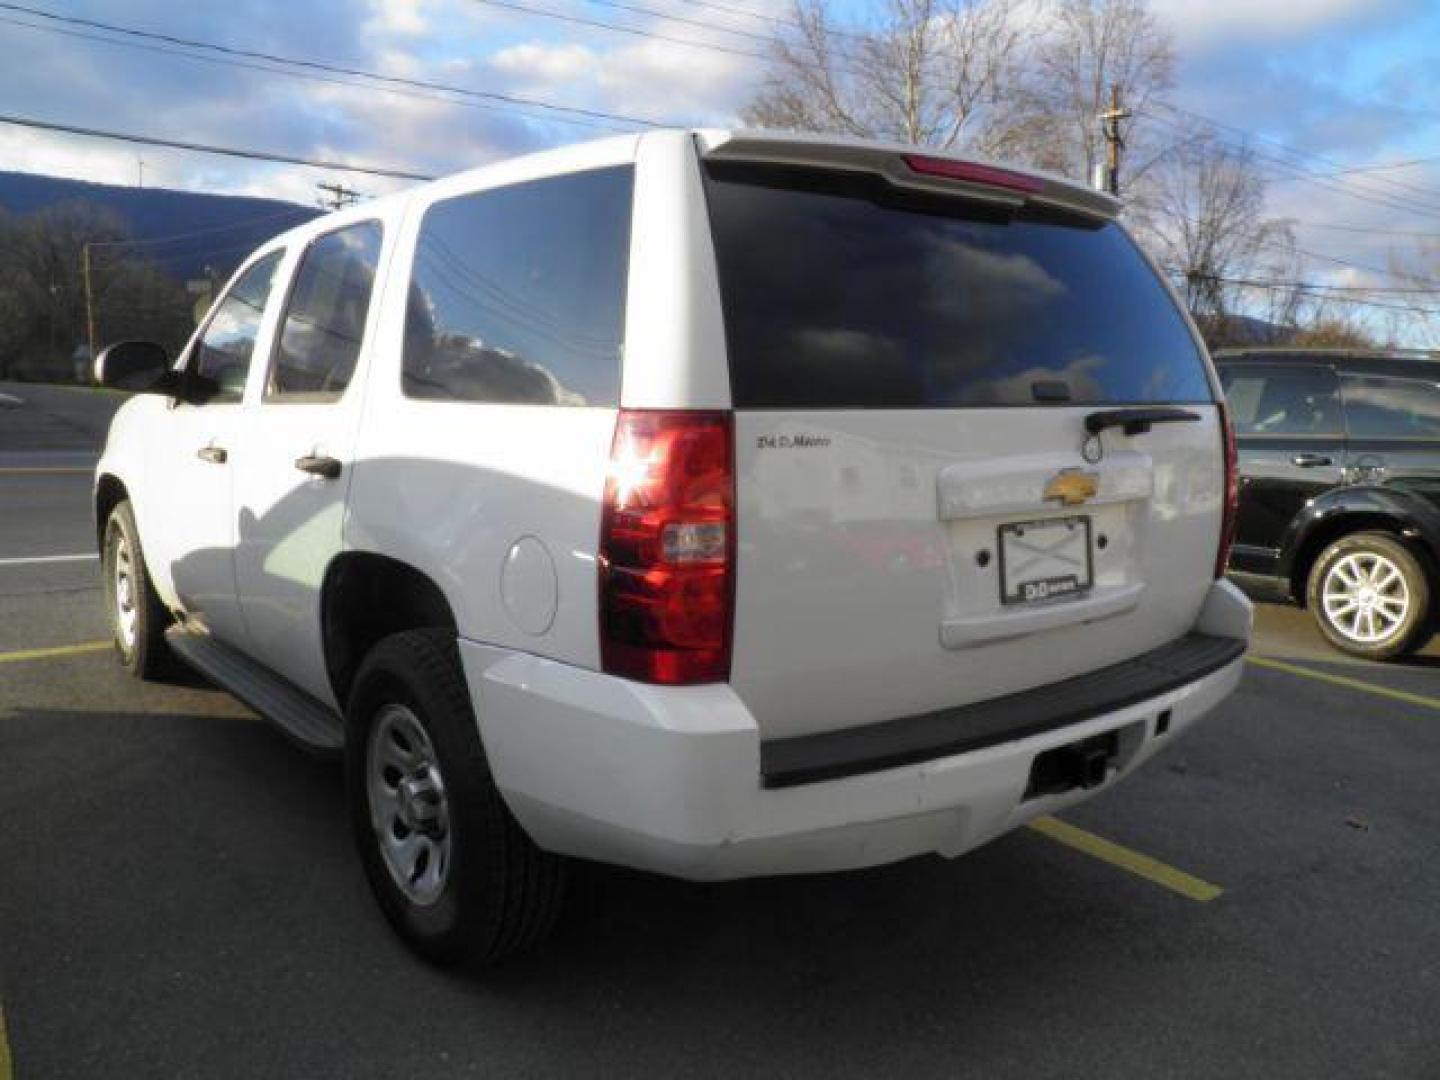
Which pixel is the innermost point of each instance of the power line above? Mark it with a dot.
(206, 148)
(1278, 286)
(311, 64)
(1339, 187)
(580, 20)
(244, 223)
(1399, 185)
(308, 76)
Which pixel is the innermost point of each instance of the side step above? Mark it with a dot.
(304, 719)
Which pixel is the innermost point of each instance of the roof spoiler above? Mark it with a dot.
(912, 168)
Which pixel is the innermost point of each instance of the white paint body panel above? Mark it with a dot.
(859, 597)
(666, 778)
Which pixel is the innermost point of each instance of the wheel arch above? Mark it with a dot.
(1355, 510)
(366, 597)
(110, 492)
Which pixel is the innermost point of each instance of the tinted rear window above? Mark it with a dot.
(842, 292)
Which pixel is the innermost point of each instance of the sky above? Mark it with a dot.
(1313, 86)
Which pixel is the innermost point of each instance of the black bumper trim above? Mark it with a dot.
(805, 759)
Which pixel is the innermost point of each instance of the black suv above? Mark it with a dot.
(1339, 488)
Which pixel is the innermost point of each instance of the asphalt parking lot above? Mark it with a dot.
(179, 895)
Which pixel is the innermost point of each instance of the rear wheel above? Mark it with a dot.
(454, 873)
(1370, 595)
(137, 617)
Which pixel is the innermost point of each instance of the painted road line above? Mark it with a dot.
(7, 1066)
(1152, 870)
(1350, 684)
(53, 652)
(37, 559)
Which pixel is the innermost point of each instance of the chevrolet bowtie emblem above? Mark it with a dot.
(1071, 487)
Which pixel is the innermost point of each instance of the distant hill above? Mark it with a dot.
(229, 226)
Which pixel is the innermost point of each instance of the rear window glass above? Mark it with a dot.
(518, 293)
(842, 292)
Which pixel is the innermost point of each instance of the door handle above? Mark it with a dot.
(327, 468)
(1311, 461)
(213, 454)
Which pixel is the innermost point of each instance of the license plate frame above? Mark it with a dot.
(1043, 588)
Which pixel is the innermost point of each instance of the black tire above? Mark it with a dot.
(142, 649)
(1411, 630)
(500, 893)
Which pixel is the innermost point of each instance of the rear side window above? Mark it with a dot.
(324, 321)
(842, 292)
(518, 293)
(1282, 400)
(1383, 407)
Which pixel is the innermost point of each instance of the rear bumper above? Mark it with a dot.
(670, 778)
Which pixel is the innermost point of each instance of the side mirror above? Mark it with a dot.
(140, 366)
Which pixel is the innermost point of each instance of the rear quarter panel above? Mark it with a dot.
(499, 504)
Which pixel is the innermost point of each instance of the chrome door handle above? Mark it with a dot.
(213, 454)
(1311, 461)
(327, 468)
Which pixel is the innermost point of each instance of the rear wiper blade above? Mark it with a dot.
(1135, 421)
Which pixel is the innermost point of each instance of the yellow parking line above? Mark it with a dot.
(1342, 680)
(7, 1066)
(1153, 870)
(55, 651)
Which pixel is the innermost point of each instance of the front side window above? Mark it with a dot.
(1383, 407)
(1282, 400)
(222, 355)
(324, 322)
(518, 293)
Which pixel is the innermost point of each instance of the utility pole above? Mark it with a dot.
(1107, 173)
(337, 196)
(89, 304)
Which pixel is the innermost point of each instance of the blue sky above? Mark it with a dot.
(1351, 82)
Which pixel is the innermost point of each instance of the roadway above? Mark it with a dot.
(179, 894)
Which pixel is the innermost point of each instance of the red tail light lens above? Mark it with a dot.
(1232, 493)
(667, 547)
(973, 173)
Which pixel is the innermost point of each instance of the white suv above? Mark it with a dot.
(713, 503)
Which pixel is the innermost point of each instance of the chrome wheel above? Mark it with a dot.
(408, 807)
(127, 612)
(1365, 597)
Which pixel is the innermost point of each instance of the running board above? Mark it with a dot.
(304, 719)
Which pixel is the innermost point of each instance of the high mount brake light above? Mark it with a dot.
(1232, 492)
(667, 547)
(973, 173)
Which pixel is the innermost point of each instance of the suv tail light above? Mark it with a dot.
(667, 547)
(1232, 492)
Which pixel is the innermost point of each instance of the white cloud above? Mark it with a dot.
(545, 63)
(398, 17)
(1206, 23)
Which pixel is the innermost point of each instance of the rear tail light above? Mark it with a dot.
(973, 173)
(667, 547)
(1232, 493)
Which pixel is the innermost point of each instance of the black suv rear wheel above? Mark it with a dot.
(1370, 595)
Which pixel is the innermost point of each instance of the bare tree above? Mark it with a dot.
(42, 298)
(1201, 211)
(1084, 48)
(927, 72)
